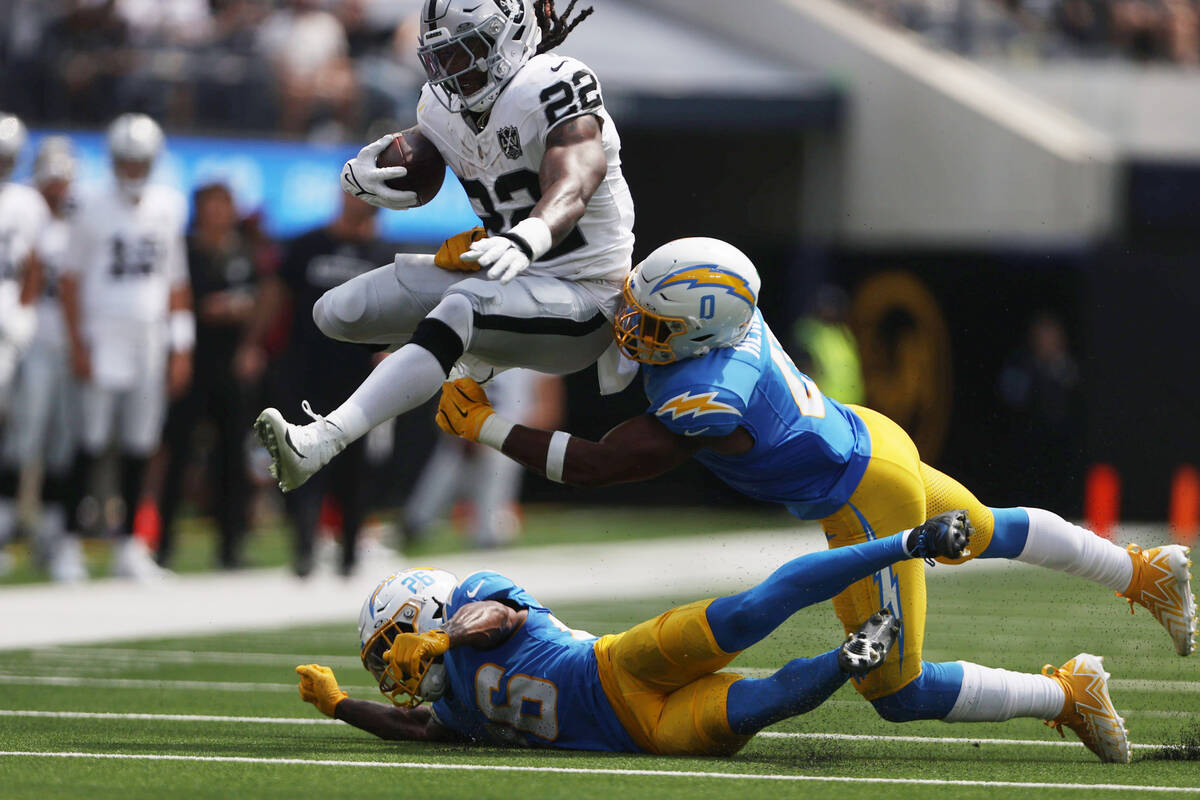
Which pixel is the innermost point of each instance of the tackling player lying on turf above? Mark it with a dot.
(723, 391)
(526, 132)
(500, 668)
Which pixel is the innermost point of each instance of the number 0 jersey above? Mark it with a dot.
(498, 166)
(809, 450)
(541, 687)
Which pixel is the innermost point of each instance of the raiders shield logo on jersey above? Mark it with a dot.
(510, 141)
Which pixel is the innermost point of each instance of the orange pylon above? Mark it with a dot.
(1102, 499)
(1184, 513)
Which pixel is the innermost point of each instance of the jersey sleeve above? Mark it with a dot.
(488, 586)
(700, 410)
(565, 88)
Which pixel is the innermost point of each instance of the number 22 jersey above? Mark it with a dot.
(499, 165)
(541, 687)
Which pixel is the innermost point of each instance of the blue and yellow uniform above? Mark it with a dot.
(645, 690)
(849, 467)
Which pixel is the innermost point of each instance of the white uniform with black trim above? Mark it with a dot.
(128, 258)
(23, 215)
(556, 316)
(44, 408)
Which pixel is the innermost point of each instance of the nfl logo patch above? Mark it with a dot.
(510, 141)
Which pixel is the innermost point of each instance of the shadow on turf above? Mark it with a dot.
(1186, 749)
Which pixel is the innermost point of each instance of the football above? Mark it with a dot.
(425, 165)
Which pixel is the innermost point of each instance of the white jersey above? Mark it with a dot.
(499, 165)
(23, 215)
(51, 332)
(128, 257)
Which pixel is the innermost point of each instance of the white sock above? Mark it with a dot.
(401, 382)
(1055, 543)
(994, 695)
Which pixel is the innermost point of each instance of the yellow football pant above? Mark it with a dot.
(897, 492)
(660, 677)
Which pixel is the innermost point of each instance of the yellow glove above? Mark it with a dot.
(411, 655)
(449, 255)
(319, 687)
(463, 408)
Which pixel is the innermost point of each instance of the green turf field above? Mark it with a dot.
(219, 716)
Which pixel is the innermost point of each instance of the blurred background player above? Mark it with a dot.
(45, 408)
(129, 317)
(825, 348)
(483, 479)
(23, 216)
(316, 371)
(224, 266)
(526, 131)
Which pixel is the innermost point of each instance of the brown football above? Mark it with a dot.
(425, 165)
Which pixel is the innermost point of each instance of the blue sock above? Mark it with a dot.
(800, 686)
(740, 620)
(1009, 532)
(930, 696)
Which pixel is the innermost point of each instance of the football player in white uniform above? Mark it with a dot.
(127, 303)
(23, 215)
(526, 132)
(44, 407)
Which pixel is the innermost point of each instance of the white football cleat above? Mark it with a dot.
(1088, 709)
(297, 451)
(132, 559)
(1162, 583)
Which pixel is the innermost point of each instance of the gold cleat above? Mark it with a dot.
(1088, 709)
(1161, 582)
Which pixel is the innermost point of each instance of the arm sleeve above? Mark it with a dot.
(699, 410)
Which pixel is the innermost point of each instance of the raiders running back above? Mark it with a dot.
(498, 165)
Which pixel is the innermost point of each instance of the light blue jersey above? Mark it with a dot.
(539, 688)
(809, 451)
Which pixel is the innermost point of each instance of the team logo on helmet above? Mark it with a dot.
(510, 141)
(709, 276)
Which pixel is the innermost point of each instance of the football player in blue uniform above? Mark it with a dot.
(724, 392)
(500, 668)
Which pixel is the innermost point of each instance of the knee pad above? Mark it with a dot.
(930, 696)
(337, 310)
(457, 313)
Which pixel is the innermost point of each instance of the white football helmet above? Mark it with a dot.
(12, 142)
(410, 601)
(472, 48)
(55, 160)
(686, 298)
(133, 139)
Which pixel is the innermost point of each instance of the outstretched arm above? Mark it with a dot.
(319, 687)
(637, 449)
(394, 722)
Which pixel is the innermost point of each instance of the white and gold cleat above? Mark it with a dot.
(1162, 583)
(1088, 709)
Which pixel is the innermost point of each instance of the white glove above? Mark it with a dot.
(363, 179)
(509, 254)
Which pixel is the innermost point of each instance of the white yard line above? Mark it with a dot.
(735, 776)
(845, 737)
(139, 683)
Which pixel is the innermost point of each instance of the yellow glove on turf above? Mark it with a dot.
(319, 687)
(463, 408)
(449, 255)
